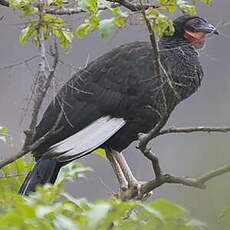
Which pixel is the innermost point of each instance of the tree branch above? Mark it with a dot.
(77, 10)
(134, 6)
(41, 88)
(115, 3)
(73, 10)
(194, 129)
(160, 177)
(31, 147)
(199, 182)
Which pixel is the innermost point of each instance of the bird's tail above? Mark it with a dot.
(45, 171)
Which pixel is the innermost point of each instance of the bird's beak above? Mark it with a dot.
(207, 28)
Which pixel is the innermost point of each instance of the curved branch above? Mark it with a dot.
(199, 182)
(192, 182)
(30, 148)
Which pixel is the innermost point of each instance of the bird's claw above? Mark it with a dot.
(134, 188)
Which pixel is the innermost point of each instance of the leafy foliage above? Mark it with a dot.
(11, 178)
(105, 26)
(51, 208)
(45, 210)
(50, 25)
(73, 170)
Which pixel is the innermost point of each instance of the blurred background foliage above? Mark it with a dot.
(51, 208)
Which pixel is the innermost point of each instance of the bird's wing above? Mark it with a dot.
(108, 86)
(86, 140)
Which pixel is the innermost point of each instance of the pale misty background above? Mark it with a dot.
(179, 154)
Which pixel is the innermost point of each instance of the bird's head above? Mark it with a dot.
(194, 29)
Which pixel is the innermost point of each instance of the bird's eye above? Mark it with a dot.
(196, 22)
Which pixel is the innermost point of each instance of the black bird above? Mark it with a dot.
(117, 96)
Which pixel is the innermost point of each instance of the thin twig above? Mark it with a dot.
(134, 6)
(142, 146)
(19, 63)
(29, 148)
(217, 172)
(145, 138)
(194, 129)
(41, 83)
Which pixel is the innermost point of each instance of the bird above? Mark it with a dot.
(116, 97)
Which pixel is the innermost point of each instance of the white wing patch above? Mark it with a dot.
(86, 140)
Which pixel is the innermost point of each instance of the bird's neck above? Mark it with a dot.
(175, 42)
(180, 61)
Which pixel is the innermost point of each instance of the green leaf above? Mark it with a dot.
(72, 170)
(118, 13)
(106, 28)
(81, 203)
(161, 24)
(64, 35)
(152, 12)
(55, 2)
(169, 5)
(64, 223)
(154, 212)
(58, 2)
(53, 20)
(26, 33)
(196, 223)
(169, 209)
(17, 4)
(186, 8)
(29, 10)
(101, 153)
(46, 194)
(208, 2)
(97, 213)
(94, 22)
(89, 5)
(3, 129)
(82, 30)
(120, 17)
(119, 21)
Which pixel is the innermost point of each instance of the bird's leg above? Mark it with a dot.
(128, 183)
(132, 181)
(117, 170)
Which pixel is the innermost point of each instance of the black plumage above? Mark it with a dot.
(117, 96)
